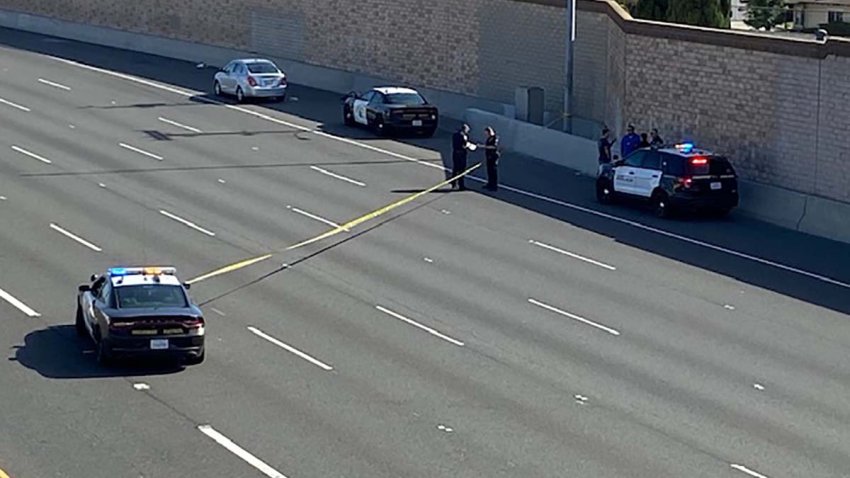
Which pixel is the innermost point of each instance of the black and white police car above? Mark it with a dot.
(140, 311)
(671, 178)
(389, 109)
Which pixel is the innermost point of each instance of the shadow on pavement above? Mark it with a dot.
(573, 195)
(57, 352)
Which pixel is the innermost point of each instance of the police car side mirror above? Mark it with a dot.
(93, 277)
(187, 285)
(84, 288)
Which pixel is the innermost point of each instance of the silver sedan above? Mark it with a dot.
(251, 78)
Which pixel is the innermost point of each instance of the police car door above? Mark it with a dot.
(625, 175)
(648, 175)
(89, 299)
(359, 107)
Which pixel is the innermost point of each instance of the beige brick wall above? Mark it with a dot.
(779, 110)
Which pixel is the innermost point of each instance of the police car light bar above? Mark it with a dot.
(685, 147)
(151, 271)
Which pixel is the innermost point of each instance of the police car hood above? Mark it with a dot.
(138, 313)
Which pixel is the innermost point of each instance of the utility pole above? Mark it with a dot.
(569, 65)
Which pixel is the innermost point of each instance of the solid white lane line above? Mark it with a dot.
(748, 471)
(289, 348)
(179, 125)
(187, 223)
(75, 237)
(540, 197)
(18, 304)
(573, 316)
(419, 326)
(140, 151)
(54, 84)
(313, 216)
(237, 450)
(31, 154)
(337, 176)
(218, 312)
(574, 256)
(14, 105)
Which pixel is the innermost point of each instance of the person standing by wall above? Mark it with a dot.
(460, 147)
(630, 142)
(604, 144)
(655, 140)
(491, 155)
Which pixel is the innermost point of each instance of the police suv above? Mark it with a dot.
(389, 109)
(140, 311)
(671, 178)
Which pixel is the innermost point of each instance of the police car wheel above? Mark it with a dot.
(603, 192)
(661, 205)
(103, 352)
(79, 325)
(196, 360)
(347, 117)
(380, 127)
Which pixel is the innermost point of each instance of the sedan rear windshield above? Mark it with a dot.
(405, 99)
(713, 165)
(149, 296)
(262, 67)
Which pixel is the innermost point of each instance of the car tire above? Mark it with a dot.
(604, 194)
(661, 205)
(380, 126)
(79, 325)
(347, 116)
(217, 88)
(196, 360)
(103, 352)
(240, 96)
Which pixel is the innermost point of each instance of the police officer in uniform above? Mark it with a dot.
(491, 155)
(460, 147)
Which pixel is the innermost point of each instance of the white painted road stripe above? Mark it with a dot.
(313, 217)
(140, 151)
(574, 317)
(187, 223)
(179, 125)
(574, 256)
(337, 176)
(748, 471)
(14, 105)
(540, 197)
(419, 326)
(53, 84)
(75, 237)
(18, 304)
(31, 154)
(240, 452)
(291, 349)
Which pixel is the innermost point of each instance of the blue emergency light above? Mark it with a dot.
(685, 147)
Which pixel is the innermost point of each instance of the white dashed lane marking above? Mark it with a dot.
(141, 151)
(187, 223)
(574, 317)
(338, 176)
(291, 349)
(74, 237)
(54, 84)
(573, 255)
(14, 105)
(419, 326)
(18, 304)
(30, 154)
(237, 450)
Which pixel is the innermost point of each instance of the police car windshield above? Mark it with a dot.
(404, 99)
(149, 296)
(262, 67)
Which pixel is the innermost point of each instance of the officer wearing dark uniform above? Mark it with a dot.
(460, 146)
(491, 155)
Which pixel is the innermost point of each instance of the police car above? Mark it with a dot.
(389, 109)
(671, 178)
(140, 311)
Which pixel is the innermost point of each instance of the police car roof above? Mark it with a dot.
(138, 275)
(123, 281)
(395, 90)
(685, 149)
(254, 60)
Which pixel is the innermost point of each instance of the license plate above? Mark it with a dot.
(716, 185)
(417, 122)
(159, 344)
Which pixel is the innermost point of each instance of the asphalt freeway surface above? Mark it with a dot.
(526, 333)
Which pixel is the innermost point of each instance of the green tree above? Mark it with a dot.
(651, 10)
(703, 13)
(765, 14)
